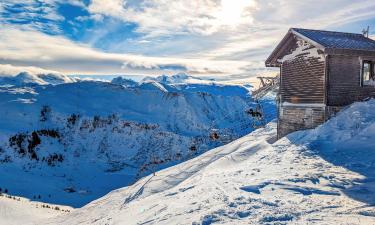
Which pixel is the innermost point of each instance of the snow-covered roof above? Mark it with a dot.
(331, 42)
(339, 40)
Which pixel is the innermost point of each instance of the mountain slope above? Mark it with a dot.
(72, 143)
(320, 176)
(15, 210)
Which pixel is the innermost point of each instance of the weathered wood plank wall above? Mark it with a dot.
(303, 80)
(344, 81)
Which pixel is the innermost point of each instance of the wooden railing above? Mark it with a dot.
(267, 84)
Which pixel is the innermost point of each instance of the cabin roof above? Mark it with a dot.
(338, 40)
(331, 42)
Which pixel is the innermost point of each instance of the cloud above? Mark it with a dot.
(95, 17)
(225, 29)
(7, 70)
(206, 17)
(40, 15)
(219, 37)
(25, 47)
(163, 17)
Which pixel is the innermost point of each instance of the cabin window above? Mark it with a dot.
(368, 76)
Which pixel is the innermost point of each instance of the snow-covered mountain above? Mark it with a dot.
(26, 78)
(124, 82)
(74, 141)
(180, 78)
(320, 176)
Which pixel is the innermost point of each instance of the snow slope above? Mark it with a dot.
(72, 143)
(320, 176)
(16, 210)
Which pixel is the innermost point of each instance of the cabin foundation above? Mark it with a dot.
(293, 118)
(299, 117)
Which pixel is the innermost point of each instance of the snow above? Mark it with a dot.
(180, 78)
(16, 210)
(320, 176)
(153, 86)
(8, 70)
(304, 49)
(370, 82)
(124, 81)
(96, 136)
(25, 78)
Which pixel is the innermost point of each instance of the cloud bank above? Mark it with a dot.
(201, 37)
(58, 53)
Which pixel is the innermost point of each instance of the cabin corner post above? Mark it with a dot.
(326, 86)
(278, 102)
(360, 59)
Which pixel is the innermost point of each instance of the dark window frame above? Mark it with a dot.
(372, 71)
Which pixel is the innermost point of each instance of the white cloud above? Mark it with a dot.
(165, 17)
(10, 70)
(160, 17)
(26, 47)
(96, 17)
(201, 36)
(228, 29)
(32, 14)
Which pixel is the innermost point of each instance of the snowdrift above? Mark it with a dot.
(320, 176)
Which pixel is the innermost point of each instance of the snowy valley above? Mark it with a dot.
(69, 141)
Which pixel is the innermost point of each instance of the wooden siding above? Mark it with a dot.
(344, 81)
(303, 81)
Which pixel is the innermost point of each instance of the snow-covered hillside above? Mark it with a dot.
(320, 176)
(74, 141)
(16, 210)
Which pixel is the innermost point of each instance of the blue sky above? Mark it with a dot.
(228, 38)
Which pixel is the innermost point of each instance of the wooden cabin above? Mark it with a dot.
(320, 73)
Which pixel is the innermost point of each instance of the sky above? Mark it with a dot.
(221, 38)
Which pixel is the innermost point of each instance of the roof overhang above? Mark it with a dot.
(271, 61)
(277, 53)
